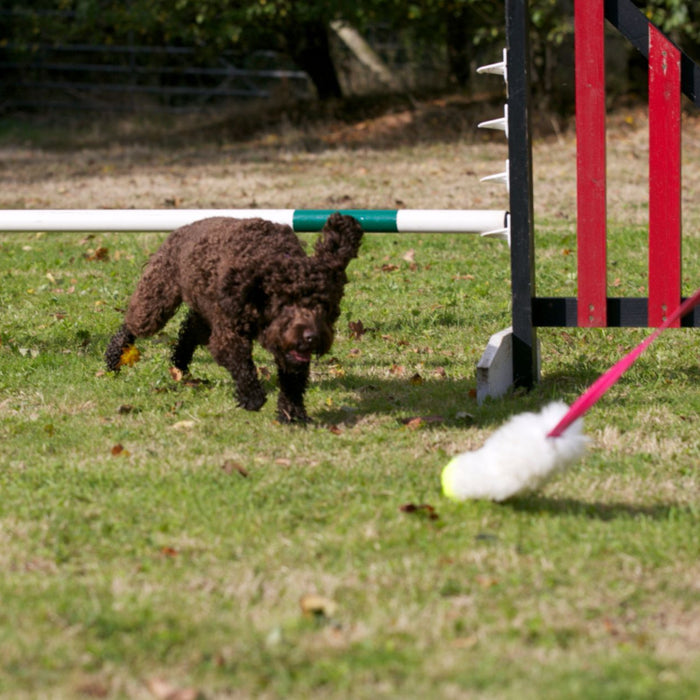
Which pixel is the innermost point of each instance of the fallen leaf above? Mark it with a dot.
(164, 690)
(119, 451)
(335, 430)
(230, 466)
(465, 642)
(486, 581)
(440, 372)
(284, 462)
(409, 256)
(176, 374)
(422, 509)
(415, 422)
(130, 356)
(397, 370)
(169, 551)
(99, 254)
(125, 409)
(317, 606)
(264, 372)
(416, 379)
(183, 425)
(94, 688)
(389, 267)
(357, 329)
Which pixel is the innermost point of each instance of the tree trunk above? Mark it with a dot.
(459, 47)
(309, 47)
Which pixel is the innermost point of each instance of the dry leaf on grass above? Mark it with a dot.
(130, 356)
(165, 690)
(99, 254)
(317, 606)
(176, 374)
(415, 422)
(183, 425)
(357, 329)
(422, 509)
(230, 466)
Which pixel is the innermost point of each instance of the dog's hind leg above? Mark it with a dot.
(121, 340)
(156, 298)
(194, 331)
(234, 352)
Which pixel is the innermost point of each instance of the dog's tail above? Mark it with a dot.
(339, 241)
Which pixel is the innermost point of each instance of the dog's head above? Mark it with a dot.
(291, 301)
(296, 334)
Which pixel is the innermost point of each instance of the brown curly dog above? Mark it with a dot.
(245, 279)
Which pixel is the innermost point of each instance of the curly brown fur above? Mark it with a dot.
(245, 280)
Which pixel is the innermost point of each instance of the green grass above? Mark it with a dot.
(164, 561)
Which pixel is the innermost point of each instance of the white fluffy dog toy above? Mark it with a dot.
(530, 448)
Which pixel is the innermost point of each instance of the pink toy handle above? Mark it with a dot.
(606, 380)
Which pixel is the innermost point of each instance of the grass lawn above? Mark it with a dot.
(157, 541)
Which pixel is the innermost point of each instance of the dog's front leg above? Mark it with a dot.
(290, 405)
(234, 352)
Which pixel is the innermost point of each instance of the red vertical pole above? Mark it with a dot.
(589, 18)
(664, 177)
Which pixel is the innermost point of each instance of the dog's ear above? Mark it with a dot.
(339, 241)
(242, 297)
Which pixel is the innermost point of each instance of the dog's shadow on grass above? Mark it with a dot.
(439, 402)
(443, 402)
(537, 504)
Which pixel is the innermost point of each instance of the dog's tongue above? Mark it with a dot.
(300, 357)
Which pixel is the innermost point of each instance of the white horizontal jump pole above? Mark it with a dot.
(484, 222)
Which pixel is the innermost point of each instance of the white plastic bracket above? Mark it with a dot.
(500, 68)
(502, 178)
(501, 124)
(501, 234)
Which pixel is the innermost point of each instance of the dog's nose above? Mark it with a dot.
(309, 336)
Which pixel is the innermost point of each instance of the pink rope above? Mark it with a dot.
(606, 380)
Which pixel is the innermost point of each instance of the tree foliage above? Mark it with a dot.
(299, 27)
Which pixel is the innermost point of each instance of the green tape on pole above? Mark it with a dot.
(372, 220)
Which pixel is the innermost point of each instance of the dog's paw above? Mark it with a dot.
(293, 415)
(251, 402)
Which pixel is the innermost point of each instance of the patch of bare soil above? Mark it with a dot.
(386, 155)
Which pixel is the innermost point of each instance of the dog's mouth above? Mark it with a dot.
(299, 357)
